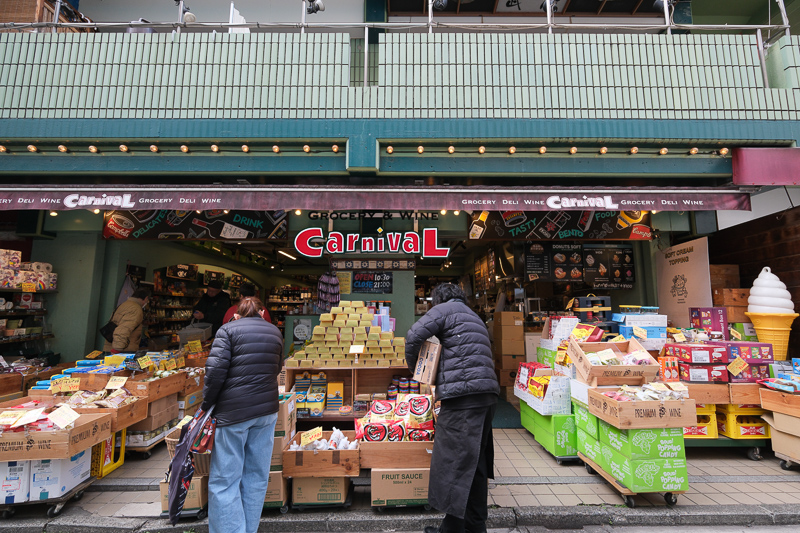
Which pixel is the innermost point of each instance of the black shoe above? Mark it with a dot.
(430, 529)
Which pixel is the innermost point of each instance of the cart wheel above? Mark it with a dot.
(201, 514)
(754, 454)
(53, 511)
(284, 509)
(629, 502)
(427, 507)
(670, 498)
(380, 509)
(78, 496)
(785, 465)
(147, 455)
(590, 469)
(559, 462)
(8, 513)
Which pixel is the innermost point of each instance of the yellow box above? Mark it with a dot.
(338, 356)
(342, 316)
(325, 317)
(387, 349)
(306, 363)
(336, 310)
(387, 335)
(345, 331)
(373, 336)
(352, 323)
(331, 337)
(360, 338)
(373, 349)
(340, 323)
(318, 330)
(399, 362)
(331, 329)
(399, 341)
(374, 329)
(345, 344)
(311, 348)
(372, 343)
(364, 323)
(299, 355)
(359, 330)
(318, 338)
(323, 350)
(314, 354)
(371, 363)
(383, 363)
(337, 349)
(356, 303)
(345, 304)
(330, 344)
(366, 315)
(292, 363)
(385, 343)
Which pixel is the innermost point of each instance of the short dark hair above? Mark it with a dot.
(215, 284)
(445, 292)
(247, 289)
(141, 293)
(249, 306)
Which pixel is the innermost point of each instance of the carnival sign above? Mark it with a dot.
(311, 242)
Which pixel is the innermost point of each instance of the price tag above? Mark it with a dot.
(357, 348)
(194, 346)
(639, 332)
(116, 382)
(169, 364)
(736, 335)
(55, 384)
(28, 287)
(186, 420)
(8, 418)
(679, 337)
(94, 355)
(71, 385)
(162, 365)
(618, 338)
(145, 362)
(737, 366)
(181, 362)
(113, 360)
(310, 435)
(63, 416)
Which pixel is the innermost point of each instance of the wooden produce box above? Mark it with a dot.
(404, 454)
(643, 414)
(97, 382)
(780, 402)
(29, 380)
(10, 383)
(192, 385)
(89, 430)
(709, 393)
(744, 394)
(156, 389)
(197, 362)
(596, 375)
(329, 463)
(123, 417)
(726, 297)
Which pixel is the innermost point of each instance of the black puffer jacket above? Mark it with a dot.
(242, 371)
(465, 365)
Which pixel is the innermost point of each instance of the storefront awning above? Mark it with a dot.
(766, 166)
(338, 198)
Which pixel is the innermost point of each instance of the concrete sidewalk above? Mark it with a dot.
(531, 489)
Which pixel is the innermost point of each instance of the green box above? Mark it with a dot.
(590, 448)
(649, 475)
(554, 423)
(746, 330)
(546, 356)
(586, 421)
(664, 443)
(562, 444)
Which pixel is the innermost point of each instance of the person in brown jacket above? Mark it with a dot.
(128, 317)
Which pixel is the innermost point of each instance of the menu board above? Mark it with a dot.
(562, 225)
(567, 262)
(186, 272)
(609, 266)
(538, 261)
(367, 282)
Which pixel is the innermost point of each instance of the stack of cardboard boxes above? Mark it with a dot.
(285, 429)
(162, 415)
(509, 349)
(785, 419)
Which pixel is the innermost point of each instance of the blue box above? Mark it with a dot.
(652, 332)
(796, 365)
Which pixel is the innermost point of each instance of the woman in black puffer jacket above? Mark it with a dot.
(242, 383)
(463, 453)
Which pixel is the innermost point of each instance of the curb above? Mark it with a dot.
(368, 521)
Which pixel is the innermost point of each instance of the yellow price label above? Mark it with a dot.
(194, 346)
(737, 366)
(736, 335)
(116, 382)
(145, 362)
(170, 364)
(311, 435)
(639, 332)
(55, 384)
(162, 365)
(679, 337)
(113, 360)
(28, 287)
(94, 355)
(618, 338)
(71, 385)
(181, 362)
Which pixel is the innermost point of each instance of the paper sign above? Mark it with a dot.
(71, 385)
(3, 362)
(94, 355)
(28, 287)
(357, 348)
(169, 364)
(181, 362)
(679, 337)
(186, 420)
(736, 335)
(639, 332)
(194, 346)
(63, 416)
(113, 360)
(116, 382)
(8, 418)
(737, 366)
(29, 417)
(162, 365)
(608, 352)
(310, 435)
(618, 338)
(145, 361)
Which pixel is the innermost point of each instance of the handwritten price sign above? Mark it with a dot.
(181, 362)
(311, 435)
(170, 364)
(28, 287)
(116, 382)
(194, 346)
(145, 362)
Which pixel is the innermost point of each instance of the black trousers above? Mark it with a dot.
(477, 504)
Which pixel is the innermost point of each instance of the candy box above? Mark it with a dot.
(751, 352)
(649, 475)
(712, 353)
(704, 373)
(752, 374)
(664, 443)
(710, 319)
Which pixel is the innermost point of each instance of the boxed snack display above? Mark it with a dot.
(508, 318)
(287, 417)
(87, 431)
(642, 413)
(399, 487)
(612, 374)
(712, 353)
(642, 320)
(648, 475)
(15, 482)
(704, 373)
(320, 490)
(326, 463)
(710, 319)
(752, 374)
(196, 496)
(751, 352)
(52, 478)
(661, 443)
(586, 421)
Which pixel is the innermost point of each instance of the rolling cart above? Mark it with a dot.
(56, 504)
(671, 498)
(193, 514)
(754, 446)
(786, 462)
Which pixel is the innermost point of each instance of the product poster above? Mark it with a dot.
(567, 262)
(345, 282)
(538, 259)
(608, 266)
(684, 280)
(217, 224)
(560, 225)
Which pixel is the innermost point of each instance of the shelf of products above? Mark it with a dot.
(169, 312)
(289, 299)
(23, 323)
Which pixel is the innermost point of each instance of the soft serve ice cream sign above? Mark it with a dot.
(311, 243)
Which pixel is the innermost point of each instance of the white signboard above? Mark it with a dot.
(684, 280)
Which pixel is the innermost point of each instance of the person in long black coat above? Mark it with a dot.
(466, 385)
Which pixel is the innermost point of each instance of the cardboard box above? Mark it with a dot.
(186, 401)
(287, 416)
(648, 475)
(196, 497)
(737, 313)
(745, 330)
(579, 392)
(15, 482)
(277, 491)
(705, 393)
(697, 353)
(661, 443)
(509, 333)
(506, 377)
(642, 414)
(785, 423)
(610, 375)
(751, 352)
(644, 321)
(320, 490)
(510, 362)
(556, 398)
(157, 420)
(785, 443)
(427, 363)
(509, 318)
(88, 430)
(328, 463)
(399, 487)
(162, 404)
(590, 447)
(386, 454)
(710, 319)
(121, 418)
(502, 346)
(653, 332)
(722, 297)
(586, 421)
(52, 478)
(752, 374)
(561, 444)
(188, 412)
(704, 373)
(780, 402)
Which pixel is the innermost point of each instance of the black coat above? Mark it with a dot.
(213, 309)
(242, 371)
(465, 364)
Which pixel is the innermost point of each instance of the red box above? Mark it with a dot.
(751, 374)
(704, 373)
(710, 319)
(698, 353)
(751, 352)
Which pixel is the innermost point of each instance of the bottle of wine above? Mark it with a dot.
(478, 226)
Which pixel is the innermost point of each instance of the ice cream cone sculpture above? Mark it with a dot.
(771, 310)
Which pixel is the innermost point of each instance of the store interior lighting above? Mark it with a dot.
(293, 258)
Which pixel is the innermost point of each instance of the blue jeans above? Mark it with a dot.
(239, 475)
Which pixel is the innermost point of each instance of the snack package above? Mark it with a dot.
(420, 435)
(381, 411)
(397, 432)
(420, 410)
(377, 431)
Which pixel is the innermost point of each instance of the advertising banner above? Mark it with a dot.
(684, 280)
(560, 225)
(216, 224)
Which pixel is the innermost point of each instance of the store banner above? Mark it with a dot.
(560, 225)
(343, 198)
(684, 280)
(216, 224)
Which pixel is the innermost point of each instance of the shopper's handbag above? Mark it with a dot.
(107, 331)
(205, 440)
(181, 468)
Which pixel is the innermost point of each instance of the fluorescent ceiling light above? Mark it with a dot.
(287, 255)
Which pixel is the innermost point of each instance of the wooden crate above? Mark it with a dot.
(10, 383)
(724, 297)
(29, 380)
(396, 454)
(596, 375)
(156, 389)
(713, 393)
(780, 402)
(736, 313)
(89, 430)
(744, 394)
(643, 414)
(724, 276)
(197, 362)
(124, 416)
(328, 463)
(192, 385)
(98, 382)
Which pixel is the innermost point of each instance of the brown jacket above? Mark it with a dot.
(128, 318)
